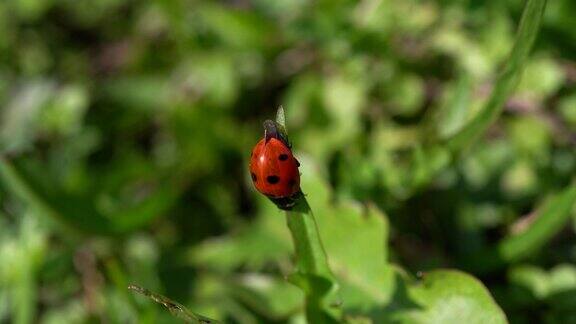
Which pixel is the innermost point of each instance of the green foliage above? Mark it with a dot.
(432, 135)
(505, 84)
(548, 222)
(453, 297)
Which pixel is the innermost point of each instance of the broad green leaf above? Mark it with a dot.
(449, 296)
(272, 296)
(355, 240)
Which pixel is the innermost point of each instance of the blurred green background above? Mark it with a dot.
(126, 128)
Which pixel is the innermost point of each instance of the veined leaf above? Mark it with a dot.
(449, 296)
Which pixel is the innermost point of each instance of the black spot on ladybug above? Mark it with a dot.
(292, 182)
(283, 157)
(253, 177)
(272, 179)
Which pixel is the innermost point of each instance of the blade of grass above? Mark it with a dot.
(551, 218)
(175, 308)
(25, 291)
(506, 82)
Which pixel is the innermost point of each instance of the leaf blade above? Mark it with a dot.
(552, 217)
(508, 79)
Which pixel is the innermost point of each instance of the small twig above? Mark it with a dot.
(175, 308)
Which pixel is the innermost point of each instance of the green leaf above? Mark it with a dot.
(269, 295)
(552, 217)
(280, 117)
(479, 123)
(449, 296)
(78, 213)
(361, 267)
(556, 287)
(451, 116)
(281, 123)
(355, 239)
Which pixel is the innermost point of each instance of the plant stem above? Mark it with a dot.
(313, 273)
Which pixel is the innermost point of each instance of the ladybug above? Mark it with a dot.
(273, 168)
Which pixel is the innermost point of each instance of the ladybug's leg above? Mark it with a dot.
(286, 203)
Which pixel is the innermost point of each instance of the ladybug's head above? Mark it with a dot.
(273, 130)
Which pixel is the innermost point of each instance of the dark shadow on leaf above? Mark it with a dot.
(400, 302)
(564, 301)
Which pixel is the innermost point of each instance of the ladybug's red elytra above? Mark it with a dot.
(273, 168)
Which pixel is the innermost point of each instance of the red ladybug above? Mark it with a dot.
(273, 168)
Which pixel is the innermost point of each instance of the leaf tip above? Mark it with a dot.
(280, 116)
